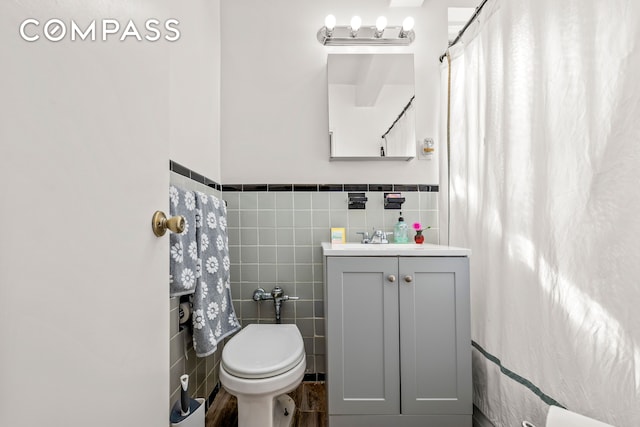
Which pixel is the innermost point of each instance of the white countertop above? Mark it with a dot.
(391, 249)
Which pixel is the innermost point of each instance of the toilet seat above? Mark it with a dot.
(263, 351)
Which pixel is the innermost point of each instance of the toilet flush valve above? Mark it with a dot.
(260, 294)
(277, 295)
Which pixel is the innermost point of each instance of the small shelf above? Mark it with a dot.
(370, 158)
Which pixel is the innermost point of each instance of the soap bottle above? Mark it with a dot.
(401, 231)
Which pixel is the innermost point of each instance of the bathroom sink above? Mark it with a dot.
(391, 249)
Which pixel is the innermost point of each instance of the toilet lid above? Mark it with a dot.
(263, 351)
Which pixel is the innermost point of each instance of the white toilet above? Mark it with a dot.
(259, 366)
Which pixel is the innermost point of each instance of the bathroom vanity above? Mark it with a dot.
(398, 335)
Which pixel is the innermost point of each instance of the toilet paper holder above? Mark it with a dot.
(527, 424)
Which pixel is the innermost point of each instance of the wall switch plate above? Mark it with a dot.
(425, 149)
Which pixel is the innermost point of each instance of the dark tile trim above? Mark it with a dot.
(356, 187)
(330, 187)
(280, 187)
(231, 187)
(186, 172)
(179, 169)
(305, 187)
(427, 188)
(404, 187)
(212, 184)
(197, 177)
(317, 376)
(380, 187)
(254, 187)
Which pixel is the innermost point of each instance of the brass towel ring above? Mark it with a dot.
(160, 223)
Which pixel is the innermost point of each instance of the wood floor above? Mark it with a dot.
(311, 407)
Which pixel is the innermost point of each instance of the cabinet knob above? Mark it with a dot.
(391, 278)
(408, 279)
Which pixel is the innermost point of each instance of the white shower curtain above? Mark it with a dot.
(545, 189)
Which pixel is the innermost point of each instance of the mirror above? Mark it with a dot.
(371, 106)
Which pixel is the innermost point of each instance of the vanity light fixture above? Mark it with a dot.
(329, 24)
(407, 26)
(381, 24)
(355, 34)
(354, 26)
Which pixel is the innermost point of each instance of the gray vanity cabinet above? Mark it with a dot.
(398, 341)
(363, 350)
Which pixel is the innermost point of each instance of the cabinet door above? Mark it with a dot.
(362, 335)
(435, 338)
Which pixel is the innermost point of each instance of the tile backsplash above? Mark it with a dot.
(275, 232)
(275, 236)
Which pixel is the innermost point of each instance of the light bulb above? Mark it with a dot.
(330, 22)
(355, 23)
(407, 24)
(381, 23)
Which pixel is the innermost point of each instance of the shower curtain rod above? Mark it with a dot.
(404, 110)
(469, 22)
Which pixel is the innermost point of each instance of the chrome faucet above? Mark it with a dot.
(277, 295)
(380, 237)
(365, 237)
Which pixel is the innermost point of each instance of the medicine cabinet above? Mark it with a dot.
(371, 106)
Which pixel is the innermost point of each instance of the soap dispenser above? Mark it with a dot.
(401, 231)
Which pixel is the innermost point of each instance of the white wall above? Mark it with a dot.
(274, 114)
(195, 87)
